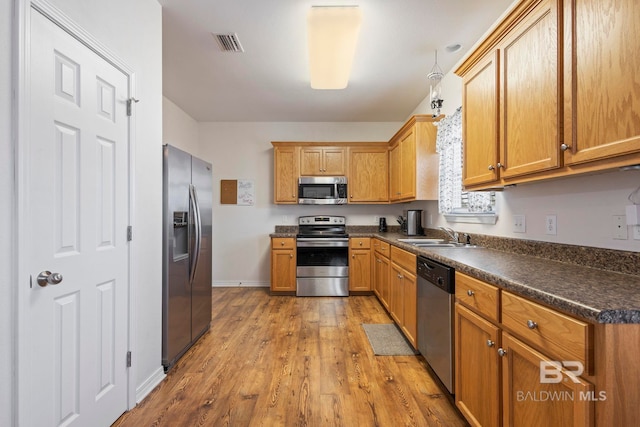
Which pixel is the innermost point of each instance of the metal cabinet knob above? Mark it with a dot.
(353, 256)
(399, 276)
(360, 243)
(490, 343)
(291, 256)
(281, 243)
(491, 167)
(470, 293)
(48, 278)
(564, 147)
(500, 166)
(531, 324)
(502, 352)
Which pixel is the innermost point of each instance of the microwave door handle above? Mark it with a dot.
(193, 198)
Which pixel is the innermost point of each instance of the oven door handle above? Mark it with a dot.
(306, 242)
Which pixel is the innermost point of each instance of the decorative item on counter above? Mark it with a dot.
(383, 225)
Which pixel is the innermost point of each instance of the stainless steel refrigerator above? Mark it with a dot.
(186, 251)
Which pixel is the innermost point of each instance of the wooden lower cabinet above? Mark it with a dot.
(477, 384)
(403, 293)
(531, 399)
(360, 264)
(381, 273)
(503, 380)
(283, 265)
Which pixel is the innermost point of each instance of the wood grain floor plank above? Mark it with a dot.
(290, 361)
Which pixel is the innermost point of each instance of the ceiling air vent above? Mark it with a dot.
(229, 42)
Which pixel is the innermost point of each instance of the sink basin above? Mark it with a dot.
(435, 243)
(423, 241)
(444, 245)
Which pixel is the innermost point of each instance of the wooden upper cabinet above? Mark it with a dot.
(413, 161)
(480, 122)
(318, 161)
(511, 114)
(368, 174)
(601, 90)
(530, 66)
(552, 86)
(285, 179)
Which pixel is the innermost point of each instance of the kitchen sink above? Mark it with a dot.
(423, 241)
(435, 243)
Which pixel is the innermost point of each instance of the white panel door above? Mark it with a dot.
(78, 201)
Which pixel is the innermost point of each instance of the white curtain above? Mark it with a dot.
(449, 145)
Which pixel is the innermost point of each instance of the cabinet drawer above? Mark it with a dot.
(381, 247)
(283, 243)
(551, 332)
(404, 259)
(360, 243)
(479, 296)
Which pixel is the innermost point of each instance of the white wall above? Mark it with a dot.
(584, 205)
(178, 128)
(7, 289)
(132, 31)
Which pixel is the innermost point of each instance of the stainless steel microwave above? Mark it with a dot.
(322, 190)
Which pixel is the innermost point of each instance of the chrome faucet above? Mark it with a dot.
(453, 235)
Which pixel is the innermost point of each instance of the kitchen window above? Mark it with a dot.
(456, 204)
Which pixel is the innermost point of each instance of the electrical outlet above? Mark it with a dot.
(519, 224)
(285, 219)
(636, 232)
(376, 219)
(620, 227)
(550, 225)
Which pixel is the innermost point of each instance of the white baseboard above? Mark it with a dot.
(149, 384)
(240, 284)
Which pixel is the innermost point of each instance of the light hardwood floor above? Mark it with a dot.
(287, 361)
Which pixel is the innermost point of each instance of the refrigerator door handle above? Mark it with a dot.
(193, 197)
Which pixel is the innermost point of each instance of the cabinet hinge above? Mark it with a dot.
(129, 233)
(130, 101)
(128, 359)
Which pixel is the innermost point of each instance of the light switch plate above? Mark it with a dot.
(519, 224)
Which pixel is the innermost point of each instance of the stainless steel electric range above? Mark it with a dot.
(322, 249)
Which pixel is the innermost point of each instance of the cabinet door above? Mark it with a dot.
(334, 162)
(381, 279)
(408, 164)
(283, 270)
(396, 303)
(602, 94)
(311, 161)
(285, 174)
(368, 175)
(530, 131)
(360, 270)
(477, 389)
(480, 122)
(410, 320)
(395, 190)
(530, 399)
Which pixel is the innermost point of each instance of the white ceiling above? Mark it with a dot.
(269, 81)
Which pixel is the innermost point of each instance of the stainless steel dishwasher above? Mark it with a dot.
(436, 289)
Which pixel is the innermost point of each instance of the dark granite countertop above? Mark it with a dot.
(593, 294)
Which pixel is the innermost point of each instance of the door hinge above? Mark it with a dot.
(130, 101)
(129, 233)
(128, 359)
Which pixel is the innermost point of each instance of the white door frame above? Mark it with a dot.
(21, 108)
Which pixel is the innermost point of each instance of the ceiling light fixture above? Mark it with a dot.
(332, 35)
(435, 88)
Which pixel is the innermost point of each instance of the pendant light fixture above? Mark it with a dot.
(435, 87)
